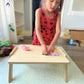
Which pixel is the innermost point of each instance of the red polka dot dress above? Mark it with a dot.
(48, 28)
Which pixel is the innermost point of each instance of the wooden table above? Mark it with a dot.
(34, 56)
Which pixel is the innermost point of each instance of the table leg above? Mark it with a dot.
(65, 72)
(10, 72)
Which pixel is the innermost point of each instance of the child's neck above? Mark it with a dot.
(48, 14)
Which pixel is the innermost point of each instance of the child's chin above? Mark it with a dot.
(51, 10)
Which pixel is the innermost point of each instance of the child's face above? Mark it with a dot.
(51, 5)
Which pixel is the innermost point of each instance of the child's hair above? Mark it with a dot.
(61, 4)
(42, 4)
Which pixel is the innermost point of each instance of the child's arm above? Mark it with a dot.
(38, 30)
(38, 27)
(58, 30)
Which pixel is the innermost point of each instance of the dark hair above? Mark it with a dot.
(59, 8)
(61, 4)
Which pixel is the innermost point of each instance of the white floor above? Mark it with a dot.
(40, 73)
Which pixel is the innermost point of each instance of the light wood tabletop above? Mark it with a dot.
(34, 56)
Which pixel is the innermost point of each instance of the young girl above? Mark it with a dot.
(47, 25)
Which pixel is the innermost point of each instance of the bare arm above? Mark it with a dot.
(57, 34)
(58, 30)
(38, 31)
(38, 27)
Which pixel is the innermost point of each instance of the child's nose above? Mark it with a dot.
(54, 4)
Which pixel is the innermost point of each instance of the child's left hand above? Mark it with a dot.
(51, 49)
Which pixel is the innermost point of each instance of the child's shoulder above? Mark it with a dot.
(38, 10)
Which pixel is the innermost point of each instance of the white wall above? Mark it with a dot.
(69, 21)
(27, 14)
(78, 5)
(28, 17)
(0, 25)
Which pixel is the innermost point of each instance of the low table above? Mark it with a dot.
(34, 56)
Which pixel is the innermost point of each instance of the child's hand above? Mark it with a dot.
(51, 49)
(44, 49)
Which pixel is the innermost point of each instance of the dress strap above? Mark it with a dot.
(41, 11)
(56, 13)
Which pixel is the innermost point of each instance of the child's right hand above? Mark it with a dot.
(44, 49)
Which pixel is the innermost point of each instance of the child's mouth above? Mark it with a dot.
(52, 8)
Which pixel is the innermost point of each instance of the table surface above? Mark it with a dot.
(34, 56)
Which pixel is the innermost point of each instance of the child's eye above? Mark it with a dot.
(51, 0)
(57, 2)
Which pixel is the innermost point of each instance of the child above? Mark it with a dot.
(47, 25)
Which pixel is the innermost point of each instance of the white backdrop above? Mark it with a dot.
(76, 20)
(4, 31)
